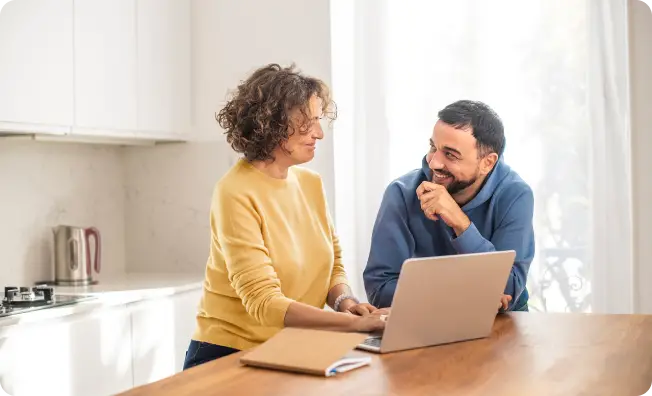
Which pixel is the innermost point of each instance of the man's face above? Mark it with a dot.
(453, 158)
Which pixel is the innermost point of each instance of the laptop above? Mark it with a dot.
(445, 299)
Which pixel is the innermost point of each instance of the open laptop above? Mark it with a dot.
(440, 300)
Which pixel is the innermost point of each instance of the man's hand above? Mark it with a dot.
(437, 203)
(504, 301)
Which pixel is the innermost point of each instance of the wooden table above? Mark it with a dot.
(527, 354)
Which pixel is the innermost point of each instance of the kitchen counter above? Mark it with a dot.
(138, 285)
(110, 292)
(132, 330)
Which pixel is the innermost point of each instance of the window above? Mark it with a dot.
(529, 60)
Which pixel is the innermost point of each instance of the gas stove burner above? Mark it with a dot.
(20, 300)
(28, 297)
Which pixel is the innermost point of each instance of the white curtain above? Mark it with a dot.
(556, 73)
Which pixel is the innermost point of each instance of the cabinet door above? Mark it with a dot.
(163, 67)
(162, 329)
(153, 339)
(36, 65)
(105, 66)
(185, 308)
(89, 355)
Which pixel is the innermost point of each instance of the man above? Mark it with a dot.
(464, 199)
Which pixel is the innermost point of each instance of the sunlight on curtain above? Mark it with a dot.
(528, 61)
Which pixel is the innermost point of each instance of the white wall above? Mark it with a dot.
(169, 187)
(641, 94)
(46, 184)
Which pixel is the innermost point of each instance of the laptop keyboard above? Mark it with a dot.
(373, 341)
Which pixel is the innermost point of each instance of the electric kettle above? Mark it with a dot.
(72, 255)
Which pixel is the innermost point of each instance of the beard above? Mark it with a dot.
(456, 185)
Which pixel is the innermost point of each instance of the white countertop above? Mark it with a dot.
(111, 291)
(141, 284)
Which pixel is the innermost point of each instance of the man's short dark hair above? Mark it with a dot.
(486, 126)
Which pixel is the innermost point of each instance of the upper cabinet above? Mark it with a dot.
(36, 66)
(100, 68)
(105, 65)
(163, 31)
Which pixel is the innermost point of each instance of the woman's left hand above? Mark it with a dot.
(362, 309)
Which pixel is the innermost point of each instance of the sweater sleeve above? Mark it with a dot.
(391, 244)
(250, 270)
(338, 276)
(514, 232)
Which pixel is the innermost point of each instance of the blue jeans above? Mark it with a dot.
(201, 352)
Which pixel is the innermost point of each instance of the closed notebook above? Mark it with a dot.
(315, 352)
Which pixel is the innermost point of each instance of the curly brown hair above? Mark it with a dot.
(256, 119)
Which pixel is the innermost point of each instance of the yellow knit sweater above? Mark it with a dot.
(272, 242)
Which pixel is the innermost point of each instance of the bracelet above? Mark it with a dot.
(342, 297)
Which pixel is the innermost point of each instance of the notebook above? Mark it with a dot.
(316, 352)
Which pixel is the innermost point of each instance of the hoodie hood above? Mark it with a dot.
(497, 174)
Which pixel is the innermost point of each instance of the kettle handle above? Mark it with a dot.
(95, 233)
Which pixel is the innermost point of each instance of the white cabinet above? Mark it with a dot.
(76, 355)
(36, 66)
(132, 68)
(105, 67)
(185, 308)
(96, 68)
(162, 329)
(99, 352)
(164, 59)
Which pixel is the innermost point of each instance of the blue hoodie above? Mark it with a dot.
(501, 219)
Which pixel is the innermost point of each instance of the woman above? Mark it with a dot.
(274, 256)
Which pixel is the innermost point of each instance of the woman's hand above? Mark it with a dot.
(371, 323)
(362, 309)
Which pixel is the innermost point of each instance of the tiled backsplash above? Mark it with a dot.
(151, 204)
(46, 184)
(168, 196)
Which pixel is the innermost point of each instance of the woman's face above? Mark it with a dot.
(304, 133)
